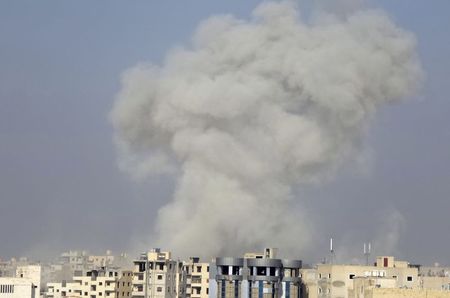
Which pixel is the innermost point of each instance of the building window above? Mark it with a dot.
(199, 268)
(159, 276)
(159, 289)
(351, 276)
(409, 278)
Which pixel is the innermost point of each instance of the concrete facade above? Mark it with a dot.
(338, 280)
(258, 275)
(12, 287)
(155, 275)
(106, 282)
(31, 273)
(196, 283)
(404, 293)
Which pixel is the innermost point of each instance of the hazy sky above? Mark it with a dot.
(60, 188)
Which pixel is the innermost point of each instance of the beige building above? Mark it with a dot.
(371, 291)
(196, 283)
(63, 289)
(338, 280)
(155, 275)
(309, 281)
(440, 283)
(105, 282)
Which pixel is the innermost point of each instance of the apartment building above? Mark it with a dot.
(8, 267)
(385, 287)
(63, 290)
(96, 261)
(258, 276)
(76, 260)
(13, 287)
(104, 282)
(155, 275)
(31, 273)
(332, 280)
(196, 276)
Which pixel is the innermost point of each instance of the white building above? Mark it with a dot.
(31, 273)
(12, 287)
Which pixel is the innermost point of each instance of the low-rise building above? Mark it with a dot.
(31, 273)
(343, 281)
(13, 287)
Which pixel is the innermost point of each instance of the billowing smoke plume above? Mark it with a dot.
(252, 109)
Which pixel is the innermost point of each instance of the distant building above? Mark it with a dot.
(77, 260)
(97, 261)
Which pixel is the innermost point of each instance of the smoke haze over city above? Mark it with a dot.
(248, 124)
(252, 110)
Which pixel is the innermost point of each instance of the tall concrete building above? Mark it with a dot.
(195, 279)
(258, 276)
(155, 275)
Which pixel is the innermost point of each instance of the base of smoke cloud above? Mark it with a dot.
(253, 109)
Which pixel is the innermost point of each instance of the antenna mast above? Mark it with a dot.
(332, 256)
(367, 249)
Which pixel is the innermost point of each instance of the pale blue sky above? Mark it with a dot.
(60, 66)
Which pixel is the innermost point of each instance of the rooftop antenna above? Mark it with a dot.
(367, 250)
(332, 257)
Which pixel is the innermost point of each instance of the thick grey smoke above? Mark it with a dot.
(252, 109)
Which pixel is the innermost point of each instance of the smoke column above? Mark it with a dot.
(252, 109)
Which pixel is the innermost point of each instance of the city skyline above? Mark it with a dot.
(61, 187)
